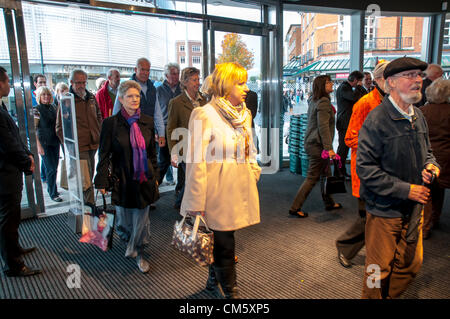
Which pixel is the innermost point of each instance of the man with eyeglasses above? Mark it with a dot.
(394, 161)
(89, 120)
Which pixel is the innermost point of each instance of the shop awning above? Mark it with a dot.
(341, 65)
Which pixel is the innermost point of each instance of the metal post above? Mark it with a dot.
(357, 41)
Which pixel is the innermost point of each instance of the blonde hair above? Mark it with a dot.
(225, 76)
(61, 86)
(42, 90)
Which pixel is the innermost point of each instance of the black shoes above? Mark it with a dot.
(24, 251)
(57, 199)
(23, 272)
(211, 283)
(344, 261)
(298, 214)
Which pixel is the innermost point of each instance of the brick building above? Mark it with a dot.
(190, 56)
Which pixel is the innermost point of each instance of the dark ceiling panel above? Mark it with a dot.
(435, 6)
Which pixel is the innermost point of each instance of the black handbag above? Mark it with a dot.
(334, 184)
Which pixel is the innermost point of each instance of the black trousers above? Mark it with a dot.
(9, 230)
(51, 161)
(353, 240)
(224, 248)
(343, 149)
(163, 162)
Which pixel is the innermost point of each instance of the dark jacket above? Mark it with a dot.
(251, 101)
(438, 120)
(392, 152)
(165, 94)
(14, 155)
(320, 129)
(425, 83)
(46, 128)
(115, 148)
(148, 99)
(346, 97)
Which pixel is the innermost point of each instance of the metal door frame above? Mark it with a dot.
(15, 31)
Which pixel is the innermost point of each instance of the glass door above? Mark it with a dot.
(250, 47)
(14, 59)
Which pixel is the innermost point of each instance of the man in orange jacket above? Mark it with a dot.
(351, 242)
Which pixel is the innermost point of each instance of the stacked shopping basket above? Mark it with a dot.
(297, 156)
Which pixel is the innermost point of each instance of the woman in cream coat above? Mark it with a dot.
(222, 172)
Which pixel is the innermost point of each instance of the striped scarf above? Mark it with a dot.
(138, 145)
(236, 118)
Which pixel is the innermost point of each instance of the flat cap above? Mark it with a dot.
(403, 64)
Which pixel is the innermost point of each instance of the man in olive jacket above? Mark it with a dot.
(15, 159)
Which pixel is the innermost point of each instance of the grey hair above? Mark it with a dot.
(438, 92)
(77, 71)
(186, 74)
(140, 60)
(169, 66)
(110, 72)
(42, 90)
(126, 85)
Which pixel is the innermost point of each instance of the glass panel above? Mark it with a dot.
(323, 38)
(60, 39)
(249, 56)
(234, 9)
(445, 61)
(10, 101)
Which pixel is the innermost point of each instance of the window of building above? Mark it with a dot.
(181, 48)
(182, 60)
(195, 60)
(447, 33)
(196, 48)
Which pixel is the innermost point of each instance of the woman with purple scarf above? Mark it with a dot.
(127, 153)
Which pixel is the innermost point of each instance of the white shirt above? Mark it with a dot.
(408, 115)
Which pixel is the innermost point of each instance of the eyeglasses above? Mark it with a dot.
(330, 82)
(412, 75)
(80, 82)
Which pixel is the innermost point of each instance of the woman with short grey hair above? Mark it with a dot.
(437, 114)
(127, 145)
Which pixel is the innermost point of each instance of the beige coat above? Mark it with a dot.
(224, 187)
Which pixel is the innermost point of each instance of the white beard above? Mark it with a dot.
(411, 98)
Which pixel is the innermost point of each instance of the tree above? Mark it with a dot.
(235, 50)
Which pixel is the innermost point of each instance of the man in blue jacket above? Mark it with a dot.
(393, 162)
(164, 93)
(148, 98)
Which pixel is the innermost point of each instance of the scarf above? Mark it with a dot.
(236, 118)
(138, 145)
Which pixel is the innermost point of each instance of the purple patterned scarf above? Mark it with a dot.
(138, 145)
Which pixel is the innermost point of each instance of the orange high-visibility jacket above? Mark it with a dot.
(360, 111)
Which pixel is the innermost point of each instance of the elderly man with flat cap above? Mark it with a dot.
(394, 163)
